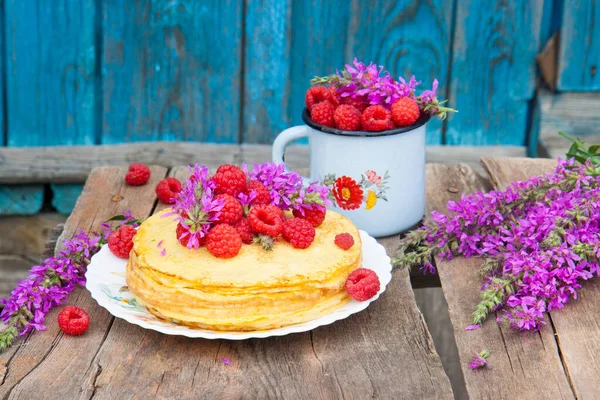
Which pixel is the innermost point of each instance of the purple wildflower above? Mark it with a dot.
(479, 360)
(225, 361)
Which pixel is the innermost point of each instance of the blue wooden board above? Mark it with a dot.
(171, 70)
(65, 196)
(579, 53)
(51, 78)
(21, 199)
(493, 71)
(409, 38)
(266, 70)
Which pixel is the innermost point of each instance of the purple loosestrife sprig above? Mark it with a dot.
(539, 239)
(49, 284)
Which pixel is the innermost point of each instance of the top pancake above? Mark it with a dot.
(253, 267)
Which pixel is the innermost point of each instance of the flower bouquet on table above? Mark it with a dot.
(539, 240)
(366, 133)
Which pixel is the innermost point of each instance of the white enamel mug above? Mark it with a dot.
(378, 179)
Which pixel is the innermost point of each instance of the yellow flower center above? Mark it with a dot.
(371, 200)
(346, 193)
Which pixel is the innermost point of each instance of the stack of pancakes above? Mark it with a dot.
(256, 290)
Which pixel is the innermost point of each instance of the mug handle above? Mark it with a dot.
(283, 139)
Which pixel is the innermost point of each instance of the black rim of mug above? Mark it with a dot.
(423, 119)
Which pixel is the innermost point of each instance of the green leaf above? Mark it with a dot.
(116, 218)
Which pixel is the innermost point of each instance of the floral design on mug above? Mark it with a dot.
(348, 194)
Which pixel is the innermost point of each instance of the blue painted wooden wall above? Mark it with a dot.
(235, 71)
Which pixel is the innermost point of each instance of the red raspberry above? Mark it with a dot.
(229, 179)
(223, 241)
(376, 118)
(138, 174)
(316, 95)
(299, 232)
(405, 111)
(266, 219)
(120, 242)
(263, 196)
(315, 215)
(231, 211)
(167, 190)
(347, 118)
(362, 284)
(245, 230)
(357, 102)
(73, 320)
(334, 96)
(322, 114)
(185, 239)
(344, 241)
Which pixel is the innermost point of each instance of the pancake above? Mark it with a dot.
(255, 290)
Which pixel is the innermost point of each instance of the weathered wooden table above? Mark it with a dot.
(385, 351)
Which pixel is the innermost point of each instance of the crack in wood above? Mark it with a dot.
(337, 382)
(563, 362)
(162, 378)
(95, 380)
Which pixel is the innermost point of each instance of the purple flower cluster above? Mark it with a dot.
(196, 207)
(287, 188)
(539, 238)
(479, 360)
(49, 284)
(375, 86)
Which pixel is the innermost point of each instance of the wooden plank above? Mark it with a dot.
(517, 361)
(26, 236)
(318, 39)
(266, 70)
(352, 358)
(50, 75)
(20, 199)
(65, 196)
(409, 37)
(2, 88)
(392, 335)
(579, 54)
(576, 326)
(171, 70)
(72, 164)
(493, 71)
(574, 113)
(104, 196)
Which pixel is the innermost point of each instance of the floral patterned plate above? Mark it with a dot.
(106, 282)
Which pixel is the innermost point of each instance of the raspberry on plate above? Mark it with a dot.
(167, 190)
(376, 118)
(262, 194)
(137, 175)
(362, 284)
(405, 111)
(73, 320)
(347, 118)
(232, 210)
(318, 94)
(322, 114)
(315, 216)
(344, 241)
(266, 219)
(223, 241)
(245, 230)
(120, 242)
(299, 232)
(229, 179)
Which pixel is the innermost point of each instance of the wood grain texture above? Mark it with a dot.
(26, 236)
(384, 352)
(50, 75)
(171, 70)
(574, 113)
(407, 37)
(579, 53)
(319, 31)
(266, 70)
(576, 327)
(517, 360)
(493, 70)
(50, 357)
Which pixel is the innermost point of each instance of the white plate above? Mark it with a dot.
(106, 282)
